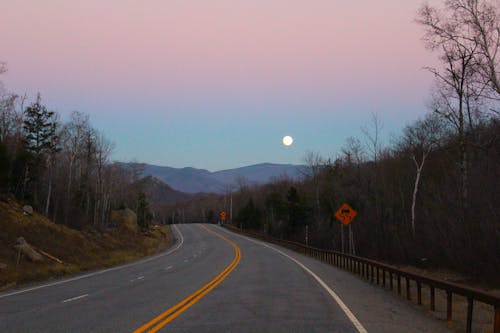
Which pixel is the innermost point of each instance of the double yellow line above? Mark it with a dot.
(169, 315)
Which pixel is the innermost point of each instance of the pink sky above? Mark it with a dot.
(317, 47)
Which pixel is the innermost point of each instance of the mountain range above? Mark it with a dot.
(192, 180)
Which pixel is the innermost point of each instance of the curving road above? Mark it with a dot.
(212, 281)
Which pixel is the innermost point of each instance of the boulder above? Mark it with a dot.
(28, 210)
(26, 249)
(125, 219)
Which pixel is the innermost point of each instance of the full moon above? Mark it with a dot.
(287, 140)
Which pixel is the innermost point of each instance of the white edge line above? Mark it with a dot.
(74, 298)
(337, 299)
(101, 271)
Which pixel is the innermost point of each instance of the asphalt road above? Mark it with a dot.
(209, 283)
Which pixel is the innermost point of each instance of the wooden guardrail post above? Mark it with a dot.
(433, 299)
(399, 284)
(408, 295)
(470, 304)
(419, 293)
(496, 324)
(448, 306)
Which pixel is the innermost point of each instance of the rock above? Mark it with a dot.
(28, 210)
(27, 250)
(125, 219)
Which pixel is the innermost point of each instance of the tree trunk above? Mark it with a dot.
(68, 189)
(49, 193)
(463, 157)
(419, 168)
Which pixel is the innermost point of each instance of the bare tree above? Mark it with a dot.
(470, 25)
(481, 23)
(315, 164)
(3, 69)
(49, 162)
(372, 133)
(463, 53)
(73, 136)
(353, 151)
(103, 149)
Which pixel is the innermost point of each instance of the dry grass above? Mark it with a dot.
(78, 250)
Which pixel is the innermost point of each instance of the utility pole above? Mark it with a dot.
(231, 209)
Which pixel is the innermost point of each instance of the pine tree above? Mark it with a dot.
(297, 211)
(143, 212)
(40, 128)
(41, 143)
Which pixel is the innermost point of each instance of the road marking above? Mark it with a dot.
(168, 268)
(335, 297)
(102, 271)
(164, 318)
(74, 298)
(138, 278)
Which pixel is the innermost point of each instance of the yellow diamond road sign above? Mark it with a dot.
(345, 214)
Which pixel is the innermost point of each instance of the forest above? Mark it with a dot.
(63, 169)
(431, 195)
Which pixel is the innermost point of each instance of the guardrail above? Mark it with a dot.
(381, 273)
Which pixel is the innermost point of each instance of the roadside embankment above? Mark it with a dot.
(63, 250)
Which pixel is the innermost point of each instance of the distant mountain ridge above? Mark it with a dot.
(192, 180)
(157, 191)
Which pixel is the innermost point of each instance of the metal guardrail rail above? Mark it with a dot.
(378, 272)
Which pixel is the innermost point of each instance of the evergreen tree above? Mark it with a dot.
(40, 142)
(249, 216)
(40, 128)
(143, 212)
(297, 211)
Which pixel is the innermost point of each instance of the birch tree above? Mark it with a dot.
(420, 139)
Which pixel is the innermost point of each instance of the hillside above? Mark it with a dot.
(159, 192)
(192, 180)
(78, 250)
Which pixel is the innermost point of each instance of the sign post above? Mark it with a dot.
(223, 216)
(345, 214)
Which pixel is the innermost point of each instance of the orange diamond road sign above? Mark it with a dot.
(223, 216)
(345, 214)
